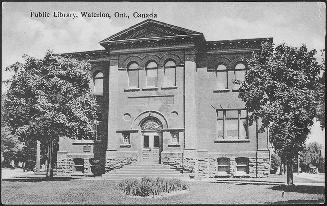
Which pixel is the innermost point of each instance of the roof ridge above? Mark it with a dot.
(145, 22)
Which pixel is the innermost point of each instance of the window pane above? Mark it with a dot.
(151, 65)
(243, 129)
(221, 67)
(220, 114)
(146, 141)
(99, 75)
(243, 113)
(221, 80)
(156, 141)
(175, 137)
(232, 129)
(223, 161)
(169, 77)
(126, 138)
(220, 129)
(133, 78)
(151, 77)
(170, 64)
(240, 66)
(232, 114)
(133, 66)
(231, 78)
(98, 86)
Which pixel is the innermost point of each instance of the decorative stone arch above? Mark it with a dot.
(129, 60)
(150, 58)
(170, 57)
(213, 62)
(144, 116)
(238, 61)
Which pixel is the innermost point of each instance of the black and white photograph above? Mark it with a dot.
(169, 103)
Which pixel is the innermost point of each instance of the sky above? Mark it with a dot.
(294, 23)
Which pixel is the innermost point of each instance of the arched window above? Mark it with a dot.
(221, 74)
(169, 74)
(133, 75)
(236, 76)
(242, 165)
(151, 74)
(98, 84)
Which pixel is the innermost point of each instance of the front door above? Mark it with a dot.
(152, 147)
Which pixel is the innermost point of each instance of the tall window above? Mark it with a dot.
(232, 124)
(242, 165)
(221, 74)
(98, 84)
(170, 74)
(151, 74)
(133, 75)
(236, 76)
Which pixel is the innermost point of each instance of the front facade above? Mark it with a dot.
(168, 96)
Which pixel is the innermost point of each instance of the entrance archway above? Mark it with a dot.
(151, 139)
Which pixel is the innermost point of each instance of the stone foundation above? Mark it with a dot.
(118, 159)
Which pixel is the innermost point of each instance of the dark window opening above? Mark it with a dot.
(146, 142)
(156, 141)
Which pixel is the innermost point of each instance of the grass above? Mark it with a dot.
(105, 192)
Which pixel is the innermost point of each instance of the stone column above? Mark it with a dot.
(38, 156)
(190, 101)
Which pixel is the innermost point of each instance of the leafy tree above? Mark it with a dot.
(10, 146)
(49, 98)
(280, 90)
(311, 155)
(275, 163)
(322, 93)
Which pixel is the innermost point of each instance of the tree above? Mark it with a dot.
(10, 146)
(49, 98)
(322, 93)
(311, 155)
(280, 91)
(275, 163)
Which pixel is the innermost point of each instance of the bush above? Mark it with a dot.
(150, 186)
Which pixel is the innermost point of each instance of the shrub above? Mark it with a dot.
(150, 186)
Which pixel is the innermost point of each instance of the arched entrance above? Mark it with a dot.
(151, 140)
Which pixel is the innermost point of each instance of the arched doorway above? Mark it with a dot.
(151, 140)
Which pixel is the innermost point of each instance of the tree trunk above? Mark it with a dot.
(290, 172)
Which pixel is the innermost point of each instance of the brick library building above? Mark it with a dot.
(168, 97)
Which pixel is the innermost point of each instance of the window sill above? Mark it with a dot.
(126, 145)
(235, 90)
(237, 174)
(174, 145)
(231, 140)
(169, 87)
(222, 174)
(132, 89)
(83, 142)
(149, 88)
(221, 90)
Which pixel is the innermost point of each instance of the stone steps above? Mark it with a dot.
(142, 169)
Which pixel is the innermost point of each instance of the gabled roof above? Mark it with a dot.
(149, 29)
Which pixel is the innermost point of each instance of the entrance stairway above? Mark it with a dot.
(143, 169)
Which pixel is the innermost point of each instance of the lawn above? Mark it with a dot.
(65, 191)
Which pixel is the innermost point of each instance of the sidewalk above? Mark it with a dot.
(11, 173)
